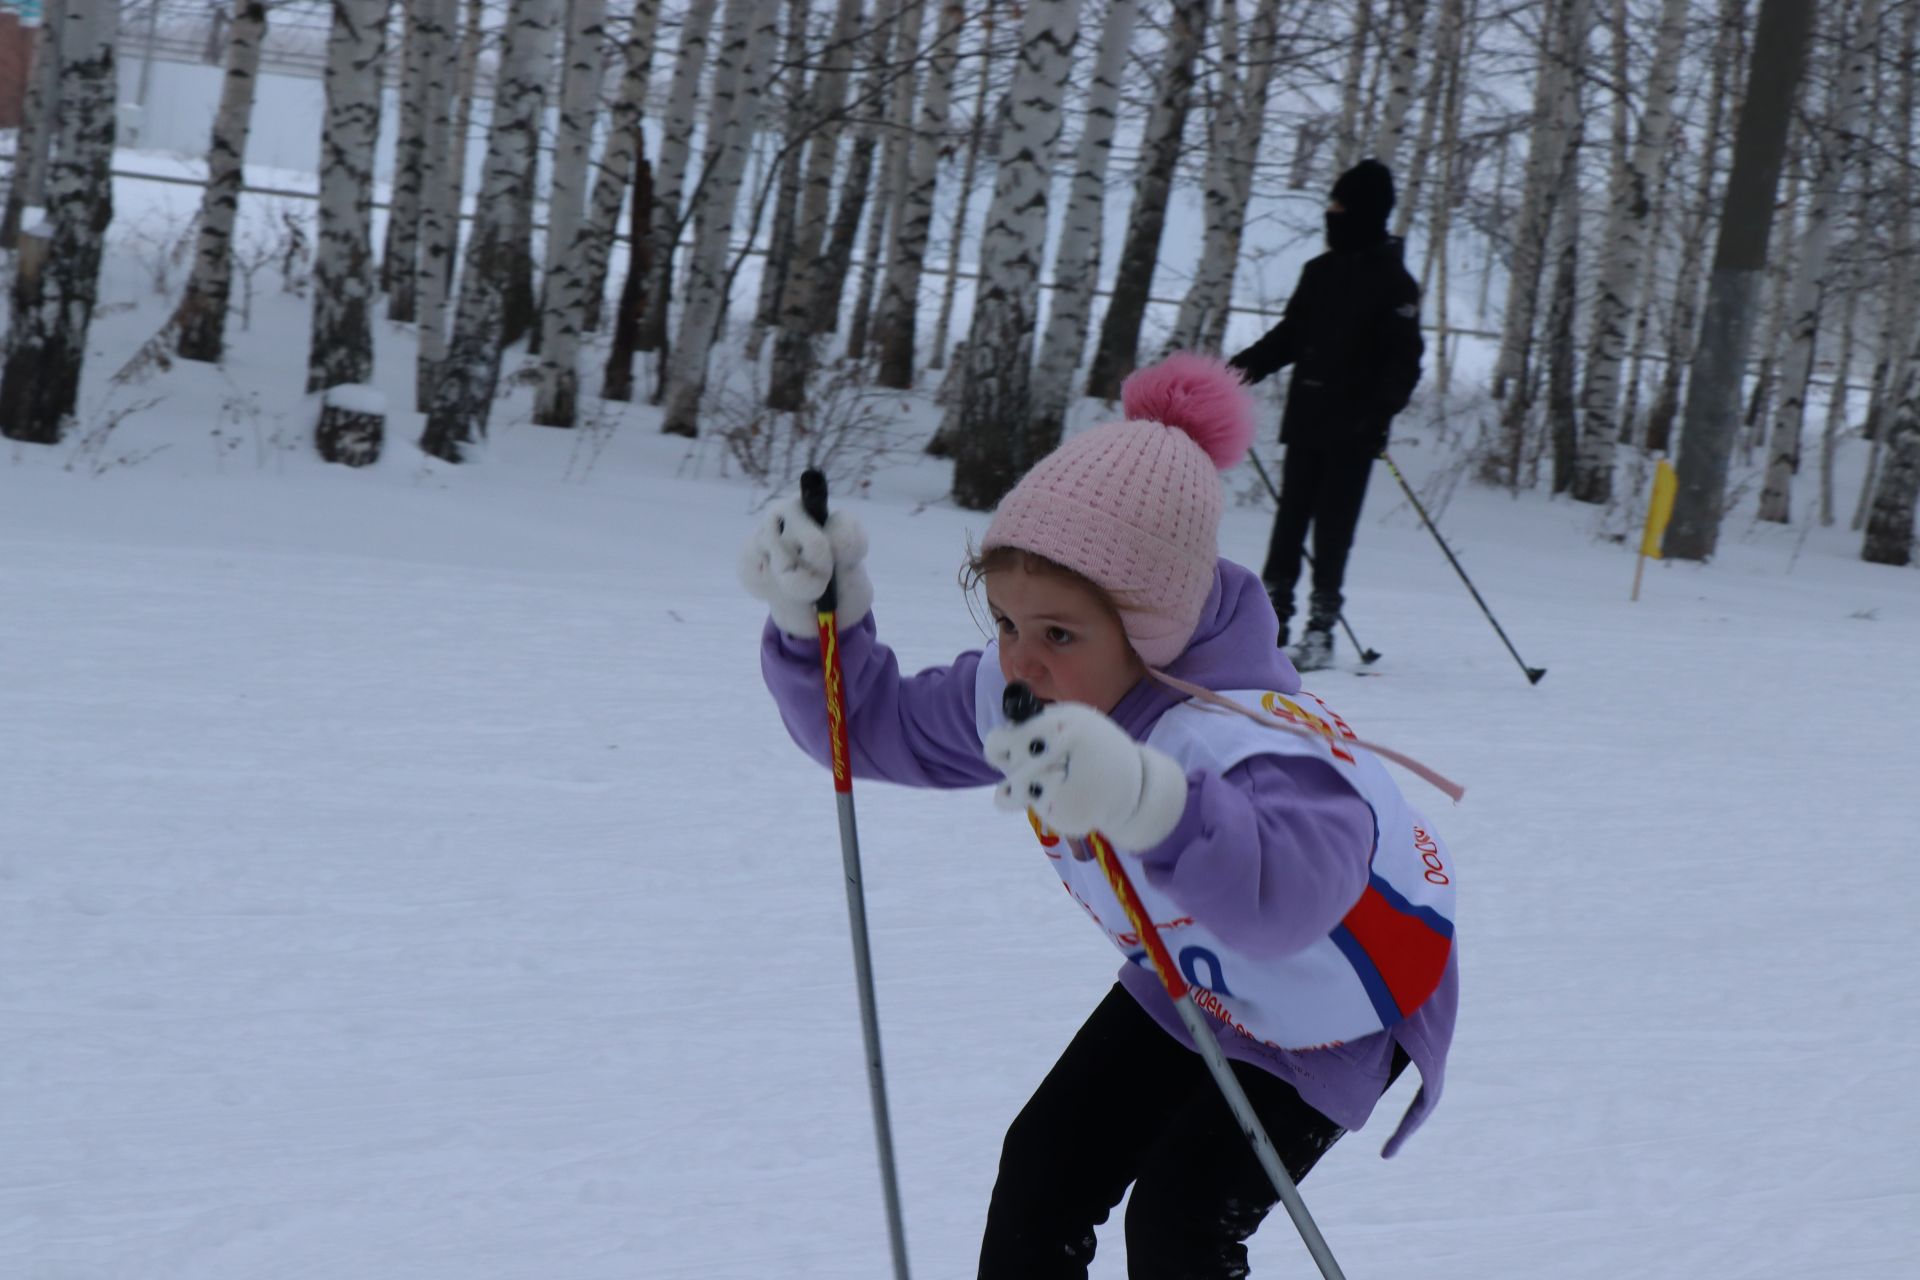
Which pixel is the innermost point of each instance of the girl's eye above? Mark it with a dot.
(1005, 625)
(1059, 635)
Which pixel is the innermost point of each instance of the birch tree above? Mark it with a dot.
(441, 181)
(738, 77)
(913, 216)
(793, 347)
(1746, 223)
(1076, 262)
(1550, 151)
(1563, 42)
(1625, 244)
(987, 423)
(563, 296)
(341, 349)
(1347, 134)
(1119, 345)
(33, 142)
(777, 264)
(1835, 157)
(401, 253)
(464, 385)
(200, 321)
(1233, 149)
(957, 232)
(670, 173)
(1398, 102)
(615, 171)
(57, 263)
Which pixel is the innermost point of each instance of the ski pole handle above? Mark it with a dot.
(813, 501)
(1019, 706)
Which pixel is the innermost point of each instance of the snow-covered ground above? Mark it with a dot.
(404, 875)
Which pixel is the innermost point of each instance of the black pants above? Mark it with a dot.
(1324, 488)
(1128, 1104)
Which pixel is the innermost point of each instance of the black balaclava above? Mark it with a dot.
(1365, 194)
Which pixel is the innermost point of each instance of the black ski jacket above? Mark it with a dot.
(1351, 331)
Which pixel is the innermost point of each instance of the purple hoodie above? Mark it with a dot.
(1274, 849)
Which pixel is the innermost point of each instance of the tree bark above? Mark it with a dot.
(793, 346)
(1626, 245)
(738, 77)
(1232, 152)
(618, 383)
(563, 292)
(1160, 152)
(1746, 222)
(200, 321)
(57, 268)
(1834, 158)
(463, 390)
(669, 176)
(1400, 82)
(441, 181)
(1076, 262)
(341, 351)
(943, 327)
(400, 255)
(987, 423)
(623, 147)
(913, 216)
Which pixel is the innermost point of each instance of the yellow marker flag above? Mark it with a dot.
(1660, 510)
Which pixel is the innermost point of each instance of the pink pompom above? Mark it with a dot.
(1202, 396)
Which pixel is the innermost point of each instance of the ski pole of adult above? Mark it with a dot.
(813, 499)
(1367, 656)
(1533, 673)
(1019, 704)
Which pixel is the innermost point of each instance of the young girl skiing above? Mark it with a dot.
(1306, 901)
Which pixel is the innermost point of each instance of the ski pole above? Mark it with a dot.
(1533, 673)
(1367, 656)
(813, 499)
(1019, 704)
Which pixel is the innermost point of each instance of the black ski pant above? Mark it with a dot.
(1128, 1104)
(1323, 488)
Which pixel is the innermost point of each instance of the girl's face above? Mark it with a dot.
(1061, 637)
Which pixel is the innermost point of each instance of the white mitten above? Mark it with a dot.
(1080, 772)
(789, 558)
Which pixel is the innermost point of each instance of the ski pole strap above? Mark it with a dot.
(1452, 790)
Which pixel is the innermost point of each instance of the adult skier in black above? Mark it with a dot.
(1351, 331)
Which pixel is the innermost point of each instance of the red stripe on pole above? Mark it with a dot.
(836, 702)
(1143, 925)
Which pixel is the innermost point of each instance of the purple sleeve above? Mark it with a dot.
(1271, 854)
(918, 730)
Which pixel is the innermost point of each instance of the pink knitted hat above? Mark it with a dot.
(1134, 506)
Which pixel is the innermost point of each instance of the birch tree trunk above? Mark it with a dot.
(1400, 81)
(1233, 149)
(1076, 262)
(33, 144)
(1432, 117)
(1140, 253)
(465, 80)
(563, 292)
(400, 255)
(1562, 405)
(969, 167)
(614, 173)
(1346, 147)
(463, 390)
(670, 174)
(200, 321)
(341, 352)
(778, 263)
(1625, 242)
(57, 266)
(1833, 160)
(1550, 152)
(1555, 102)
(618, 381)
(1836, 418)
(440, 185)
(913, 217)
(987, 423)
(1889, 537)
(738, 75)
(1746, 222)
(905, 21)
(793, 347)
(882, 205)
(1901, 304)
